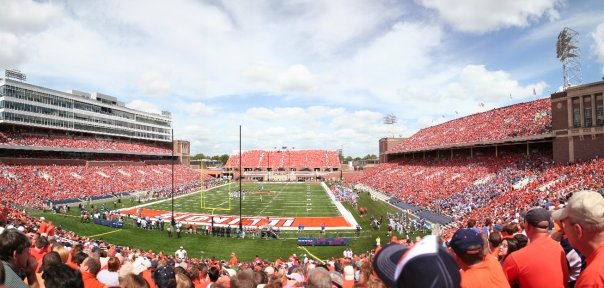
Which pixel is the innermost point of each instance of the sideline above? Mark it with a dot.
(343, 211)
(97, 235)
(311, 255)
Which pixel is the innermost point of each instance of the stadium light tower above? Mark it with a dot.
(390, 119)
(567, 51)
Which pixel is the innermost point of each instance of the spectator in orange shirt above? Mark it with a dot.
(542, 263)
(494, 240)
(477, 269)
(233, 260)
(43, 225)
(582, 221)
(89, 268)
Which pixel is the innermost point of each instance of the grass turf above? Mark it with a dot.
(259, 199)
(208, 246)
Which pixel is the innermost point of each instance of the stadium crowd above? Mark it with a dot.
(286, 158)
(88, 143)
(33, 186)
(563, 247)
(494, 188)
(519, 120)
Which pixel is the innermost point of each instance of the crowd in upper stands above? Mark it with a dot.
(275, 159)
(73, 142)
(519, 120)
(33, 186)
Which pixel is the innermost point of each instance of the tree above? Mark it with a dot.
(370, 157)
(198, 156)
(224, 158)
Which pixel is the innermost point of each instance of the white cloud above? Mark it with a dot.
(476, 83)
(154, 83)
(598, 46)
(397, 60)
(321, 127)
(480, 16)
(425, 121)
(297, 78)
(23, 16)
(12, 52)
(198, 108)
(144, 106)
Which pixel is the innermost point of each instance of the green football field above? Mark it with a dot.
(205, 246)
(259, 199)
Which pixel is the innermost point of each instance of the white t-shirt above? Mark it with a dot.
(110, 279)
(181, 253)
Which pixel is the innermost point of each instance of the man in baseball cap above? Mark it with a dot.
(427, 264)
(582, 220)
(542, 263)
(476, 269)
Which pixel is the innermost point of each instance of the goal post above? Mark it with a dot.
(216, 199)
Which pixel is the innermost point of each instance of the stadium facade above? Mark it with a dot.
(40, 125)
(26, 104)
(578, 122)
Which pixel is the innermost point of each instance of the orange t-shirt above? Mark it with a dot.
(43, 227)
(487, 273)
(233, 261)
(495, 254)
(202, 283)
(593, 275)
(148, 277)
(90, 281)
(542, 263)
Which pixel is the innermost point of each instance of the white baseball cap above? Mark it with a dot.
(584, 207)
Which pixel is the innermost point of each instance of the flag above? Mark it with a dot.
(456, 112)
(481, 104)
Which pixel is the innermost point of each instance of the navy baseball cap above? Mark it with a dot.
(537, 217)
(466, 241)
(427, 264)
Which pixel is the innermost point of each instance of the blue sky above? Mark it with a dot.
(303, 74)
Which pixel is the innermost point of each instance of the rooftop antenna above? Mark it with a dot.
(567, 51)
(390, 119)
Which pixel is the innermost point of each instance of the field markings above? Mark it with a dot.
(97, 235)
(273, 199)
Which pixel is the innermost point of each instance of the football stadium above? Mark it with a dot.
(80, 183)
(98, 193)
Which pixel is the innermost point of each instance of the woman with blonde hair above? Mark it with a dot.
(63, 252)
